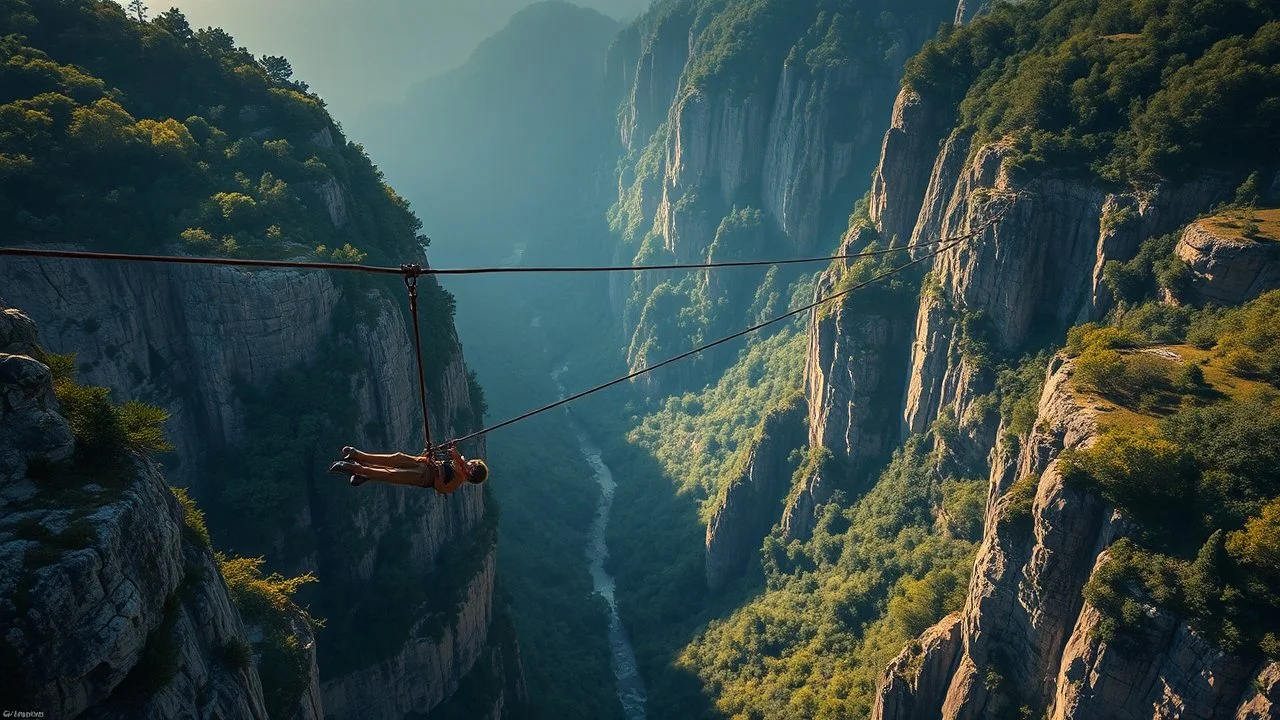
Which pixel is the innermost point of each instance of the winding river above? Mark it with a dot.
(622, 658)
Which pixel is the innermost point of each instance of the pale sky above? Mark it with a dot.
(354, 53)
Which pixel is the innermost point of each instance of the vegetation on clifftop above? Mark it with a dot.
(1124, 89)
(138, 136)
(1189, 454)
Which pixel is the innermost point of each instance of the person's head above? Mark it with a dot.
(477, 471)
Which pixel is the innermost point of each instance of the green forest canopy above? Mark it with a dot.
(138, 136)
(1128, 90)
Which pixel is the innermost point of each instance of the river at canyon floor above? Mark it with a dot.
(622, 658)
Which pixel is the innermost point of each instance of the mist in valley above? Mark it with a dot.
(1045, 326)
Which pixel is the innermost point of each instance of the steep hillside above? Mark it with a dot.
(1098, 118)
(1121, 574)
(748, 126)
(1099, 126)
(113, 602)
(265, 374)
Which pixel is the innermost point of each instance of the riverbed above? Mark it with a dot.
(626, 674)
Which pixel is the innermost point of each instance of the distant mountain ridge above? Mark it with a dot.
(485, 152)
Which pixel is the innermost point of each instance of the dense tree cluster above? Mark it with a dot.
(131, 135)
(1126, 90)
(1201, 482)
(840, 606)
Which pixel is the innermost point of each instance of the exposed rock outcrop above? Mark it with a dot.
(854, 375)
(922, 668)
(1035, 274)
(1262, 699)
(1027, 637)
(191, 338)
(796, 145)
(109, 607)
(753, 499)
(906, 159)
(436, 664)
(1031, 276)
(1228, 270)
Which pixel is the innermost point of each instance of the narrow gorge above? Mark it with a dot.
(1017, 461)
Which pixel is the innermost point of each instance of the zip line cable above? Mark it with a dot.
(943, 246)
(700, 348)
(411, 273)
(388, 270)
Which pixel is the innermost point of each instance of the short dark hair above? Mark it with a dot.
(479, 472)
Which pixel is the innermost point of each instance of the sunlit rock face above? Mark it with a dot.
(1228, 270)
(1019, 283)
(796, 145)
(1026, 621)
(749, 507)
(110, 608)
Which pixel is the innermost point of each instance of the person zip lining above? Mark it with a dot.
(444, 469)
(441, 466)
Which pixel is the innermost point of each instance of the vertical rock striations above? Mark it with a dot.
(1228, 270)
(794, 143)
(1026, 636)
(192, 339)
(854, 375)
(110, 607)
(1029, 278)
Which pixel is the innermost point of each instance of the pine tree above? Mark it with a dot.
(138, 9)
(278, 68)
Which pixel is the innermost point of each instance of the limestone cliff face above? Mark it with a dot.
(752, 501)
(109, 608)
(1025, 635)
(853, 379)
(191, 338)
(1032, 276)
(1228, 270)
(645, 64)
(435, 665)
(906, 160)
(796, 146)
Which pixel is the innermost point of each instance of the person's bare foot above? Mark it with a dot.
(348, 453)
(342, 466)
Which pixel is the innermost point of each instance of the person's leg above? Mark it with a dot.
(389, 460)
(416, 477)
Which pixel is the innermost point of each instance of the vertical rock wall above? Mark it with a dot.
(1026, 638)
(796, 147)
(110, 608)
(189, 338)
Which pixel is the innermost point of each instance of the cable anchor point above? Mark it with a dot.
(411, 272)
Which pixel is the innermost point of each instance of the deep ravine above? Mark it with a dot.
(630, 685)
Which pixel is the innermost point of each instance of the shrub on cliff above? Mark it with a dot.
(107, 435)
(267, 601)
